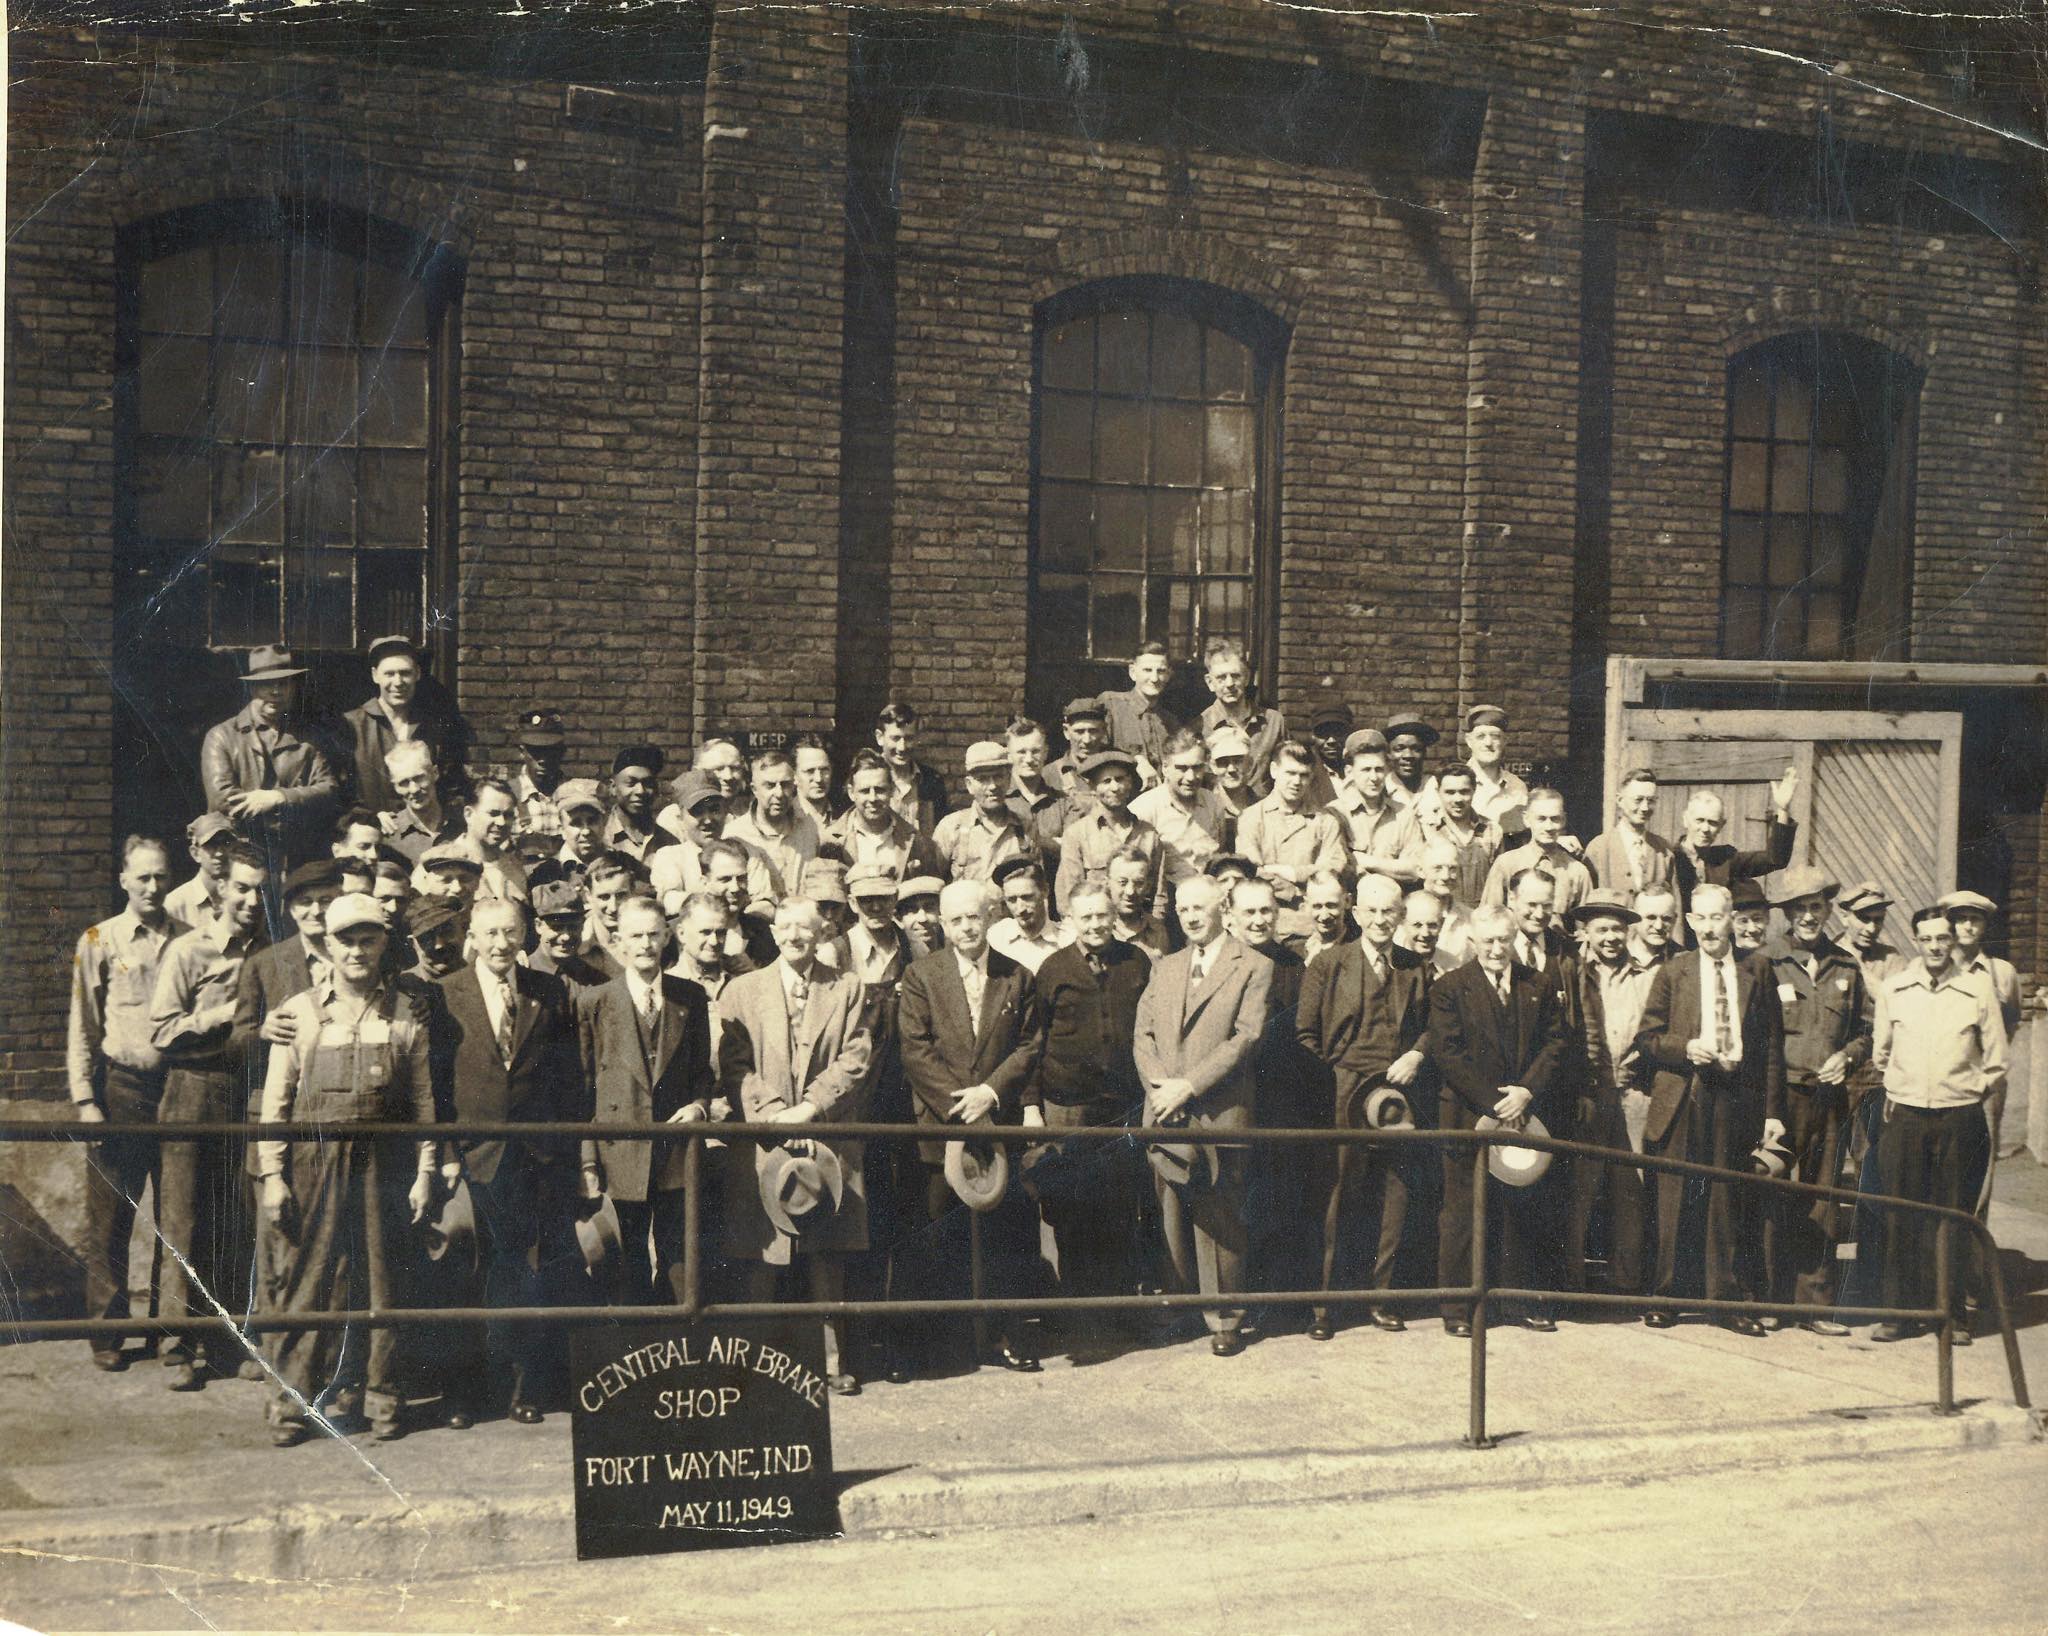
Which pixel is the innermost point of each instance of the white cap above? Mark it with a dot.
(353, 909)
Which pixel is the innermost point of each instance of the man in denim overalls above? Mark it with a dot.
(345, 1205)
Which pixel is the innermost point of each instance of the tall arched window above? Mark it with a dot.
(1154, 479)
(285, 453)
(1817, 559)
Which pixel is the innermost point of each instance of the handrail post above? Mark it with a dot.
(1994, 1282)
(974, 1284)
(1475, 1431)
(1945, 1330)
(693, 1260)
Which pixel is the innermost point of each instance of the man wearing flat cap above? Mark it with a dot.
(1110, 827)
(397, 713)
(558, 916)
(541, 745)
(1409, 738)
(1752, 915)
(984, 833)
(437, 927)
(1329, 727)
(1086, 725)
(1230, 767)
(1372, 822)
(276, 785)
(1613, 1104)
(698, 814)
(1970, 914)
(207, 838)
(1827, 1038)
(1027, 933)
(631, 829)
(1498, 795)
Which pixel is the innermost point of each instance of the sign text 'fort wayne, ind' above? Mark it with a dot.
(692, 1437)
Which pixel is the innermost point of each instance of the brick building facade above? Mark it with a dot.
(736, 420)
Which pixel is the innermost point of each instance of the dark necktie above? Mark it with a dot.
(505, 1003)
(1724, 1037)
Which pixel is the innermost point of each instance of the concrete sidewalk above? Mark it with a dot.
(111, 1479)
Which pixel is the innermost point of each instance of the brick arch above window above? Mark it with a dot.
(1789, 312)
(1086, 258)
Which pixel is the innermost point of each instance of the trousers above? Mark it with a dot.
(1203, 1225)
(118, 1169)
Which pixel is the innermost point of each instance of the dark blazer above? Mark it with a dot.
(1089, 1021)
(941, 1054)
(622, 1088)
(472, 1079)
(1722, 865)
(1478, 1046)
(578, 971)
(1671, 1019)
(269, 977)
(1291, 1081)
(1352, 1024)
(371, 737)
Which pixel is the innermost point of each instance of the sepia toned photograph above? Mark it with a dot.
(1185, 816)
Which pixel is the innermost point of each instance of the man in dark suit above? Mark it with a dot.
(1702, 858)
(1498, 1038)
(1713, 1037)
(1364, 1017)
(646, 1040)
(970, 1029)
(503, 1045)
(1199, 1025)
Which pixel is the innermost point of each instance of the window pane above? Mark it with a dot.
(251, 291)
(1229, 368)
(1060, 616)
(1062, 529)
(1783, 638)
(248, 393)
(1788, 477)
(320, 502)
(1788, 550)
(173, 387)
(171, 490)
(394, 308)
(1170, 614)
(1177, 443)
(1120, 352)
(323, 295)
(1230, 448)
(1794, 418)
(1223, 610)
(1063, 435)
(244, 599)
(1120, 528)
(394, 399)
(1069, 358)
(1746, 477)
(1121, 433)
(389, 587)
(1116, 616)
(1830, 481)
(1745, 551)
(1176, 356)
(1173, 531)
(249, 495)
(323, 396)
(1824, 626)
(1837, 415)
(1752, 406)
(392, 501)
(1227, 533)
(177, 293)
(1742, 625)
(1830, 550)
(319, 599)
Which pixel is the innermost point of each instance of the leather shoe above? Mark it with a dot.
(526, 1414)
(1391, 1322)
(1321, 1330)
(1226, 1343)
(1741, 1323)
(1894, 1331)
(896, 1372)
(1660, 1320)
(1771, 1322)
(1823, 1326)
(112, 1359)
(387, 1431)
(461, 1419)
(184, 1378)
(1960, 1335)
(289, 1434)
(1541, 1322)
(1014, 1357)
(843, 1384)
(1458, 1327)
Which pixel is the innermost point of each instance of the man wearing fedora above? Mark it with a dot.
(1713, 1039)
(1827, 1038)
(1499, 1041)
(1613, 1107)
(276, 785)
(1109, 827)
(646, 1043)
(396, 714)
(1364, 1020)
(1199, 1024)
(795, 1049)
(970, 1028)
(504, 1046)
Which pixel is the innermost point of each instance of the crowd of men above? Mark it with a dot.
(1216, 925)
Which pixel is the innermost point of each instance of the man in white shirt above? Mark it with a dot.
(1028, 933)
(1190, 817)
(773, 826)
(488, 821)
(1371, 821)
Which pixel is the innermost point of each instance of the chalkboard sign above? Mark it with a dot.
(694, 1436)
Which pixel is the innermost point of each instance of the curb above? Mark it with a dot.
(62, 1554)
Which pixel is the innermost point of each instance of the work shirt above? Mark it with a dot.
(534, 811)
(113, 979)
(1573, 880)
(1138, 726)
(972, 845)
(1622, 989)
(1938, 1044)
(1370, 834)
(1499, 800)
(1149, 936)
(1264, 727)
(190, 901)
(1094, 838)
(1820, 990)
(1006, 937)
(352, 1060)
(2005, 986)
(620, 836)
(677, 871)
(1476, 842)
(785, 854)
(407, 831)
(1196, 833)
(1289, 847)
(193, 1004)
(901, 849)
